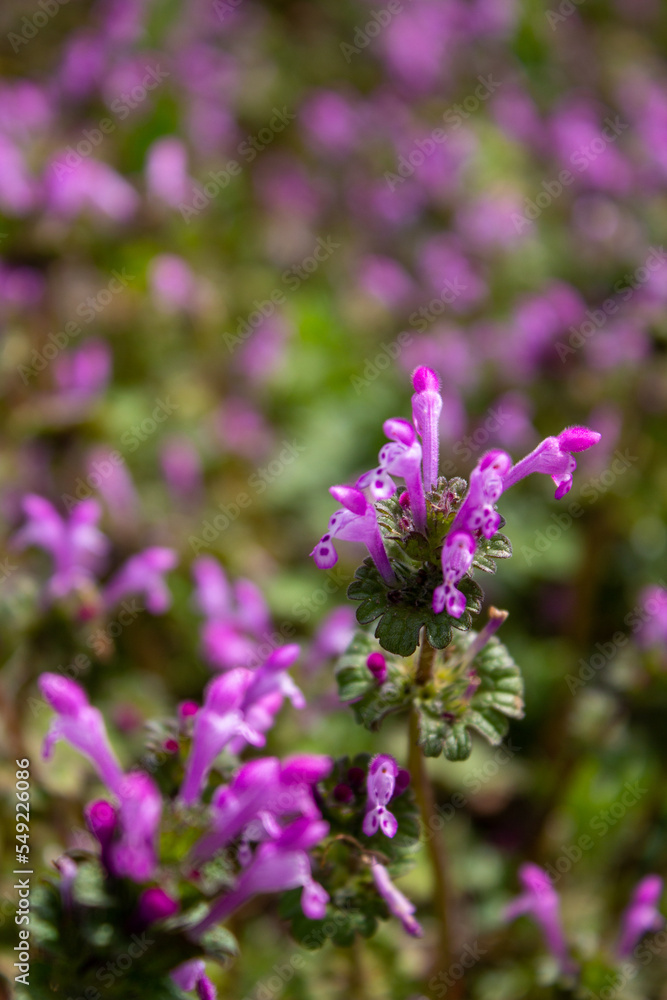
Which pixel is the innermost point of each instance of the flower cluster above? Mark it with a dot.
(540, 900)
(79, 550)
(417, 464)
(266, 814)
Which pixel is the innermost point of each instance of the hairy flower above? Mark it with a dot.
(356, 522)
(541, 901)
(398, 904)
(381, 783)
(77, 546)
(143, 574)
(80, 725)
(642, 915)
(426, 409)
(220, 718)
(457, 556)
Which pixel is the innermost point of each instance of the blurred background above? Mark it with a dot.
(229, 230)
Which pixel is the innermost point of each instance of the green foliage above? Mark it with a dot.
(479, 695)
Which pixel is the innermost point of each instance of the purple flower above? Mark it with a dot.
(181, 467)
(330, 122)
(84, 373)
(477, 512)
(167, 171)
(642, 915)
(80, 725)
(277, 866)
(272, 676)
(334, 634)
(457, 556)
(77, 546)
(356, 522)
(426, 409)
(134, 854)
(553, 458)
(381, 783)
(653, 629)
(540, 900)
(236, 616)
(265, 789)
(172, 283)
(192, 975)
(155, 904)
(398, 904)
(386, 280)
(215, 724)
(377, 665)
(403, 457)
(89, 184)
(101, 819)
(143, 574)
(114, 483)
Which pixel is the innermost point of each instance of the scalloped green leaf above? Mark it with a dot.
(457, 744)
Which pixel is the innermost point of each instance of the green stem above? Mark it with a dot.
(426, 801)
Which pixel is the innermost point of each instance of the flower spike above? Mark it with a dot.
(357, 522)
(426, 408)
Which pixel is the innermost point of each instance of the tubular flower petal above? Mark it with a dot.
(356, 522)
(398, 904)
(403, 457)
(541, 901)
(553, 458)
(134, 855)
(457, 556)
(219, 719)
(642, 915)
(81, 725)
(426, 409)
(143, 574)
(477, 512)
